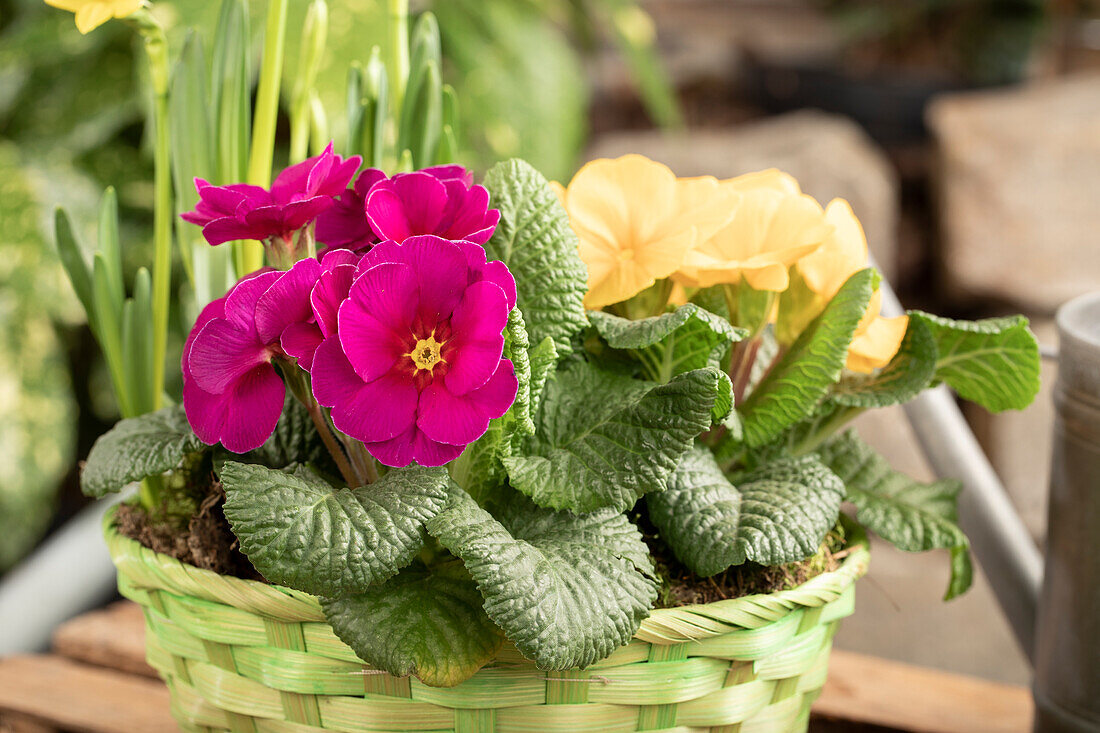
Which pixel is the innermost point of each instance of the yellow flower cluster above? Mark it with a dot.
(638, 224)
(90, 14)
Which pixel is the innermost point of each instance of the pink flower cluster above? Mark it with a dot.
(404, 343)
(442, 200)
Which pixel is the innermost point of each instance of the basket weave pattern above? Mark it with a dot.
(243, 656)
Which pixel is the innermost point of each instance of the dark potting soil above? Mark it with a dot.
(208, 542)
(681, 587)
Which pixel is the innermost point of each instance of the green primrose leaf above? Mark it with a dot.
(301, 532)
(566, 589)
(534, 239)
(775, 515)
(993, 362)
(516, 348)
(137, 447)
(427, 623)
(792, 389)
(543, 359)
(907, 374)
(603, 440)
(480, 469)
(295, 440)
(910, 515)
(671, 343)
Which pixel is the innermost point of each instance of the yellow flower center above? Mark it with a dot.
(425, 355)
(625, 255)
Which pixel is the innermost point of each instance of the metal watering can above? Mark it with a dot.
(1067, 647)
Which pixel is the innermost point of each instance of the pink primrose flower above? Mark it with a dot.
(298, 195)
(337, 272)
(231, 391)
(441, 200)
(414, 368)
(345, 225)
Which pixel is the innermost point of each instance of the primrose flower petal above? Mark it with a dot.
(232, 393)
(842, 254)
(286, 300)
(412, 445)
(414, 370)
(297, 197)
(773, 225)
(440, 201)
(874, 346)
(457, 420)
(306, 312)
(637, 223)
(345, 224)
(243, 413)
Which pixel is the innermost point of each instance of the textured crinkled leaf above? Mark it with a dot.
(534, 239)
(543, 358)
(137, 447)
(566, 589)
(516, 348)
(480, 469)
(301, 532)
(912, 516)
(429, 624)
(794, 386)
(669, 344)
(722, 413)
(907, 374)
(994, 362)
(776, 515)
(295, 440)
(603, 440)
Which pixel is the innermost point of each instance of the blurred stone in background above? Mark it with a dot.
(1017, 182)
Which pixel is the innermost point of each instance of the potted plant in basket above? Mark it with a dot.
(518, 456)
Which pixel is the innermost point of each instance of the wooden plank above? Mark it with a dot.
(12, 723)
(868, 689)
(51, 690)
(112, 637)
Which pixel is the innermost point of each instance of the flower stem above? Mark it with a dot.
(297, 382)
(263, 121)
(156, 50)
(826, 430)
(744, 358)
(334, 449)
(397, 63)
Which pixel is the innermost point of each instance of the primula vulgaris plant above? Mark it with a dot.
(466, 448)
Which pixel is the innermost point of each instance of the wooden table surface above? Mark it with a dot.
(96, 681)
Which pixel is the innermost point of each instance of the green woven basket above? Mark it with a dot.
(239, 656)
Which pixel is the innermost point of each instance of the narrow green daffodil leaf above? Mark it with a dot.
(72, 258)
(109, 247)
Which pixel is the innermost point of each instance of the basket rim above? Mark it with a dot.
(146, 569)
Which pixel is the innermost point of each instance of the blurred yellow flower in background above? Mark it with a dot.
(636, 222)
(844, 253)
(773, 226)
(90, 14)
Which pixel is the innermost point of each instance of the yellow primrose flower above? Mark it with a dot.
(636, 222)
(90, 14)
(773, 226)
(877, 339)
